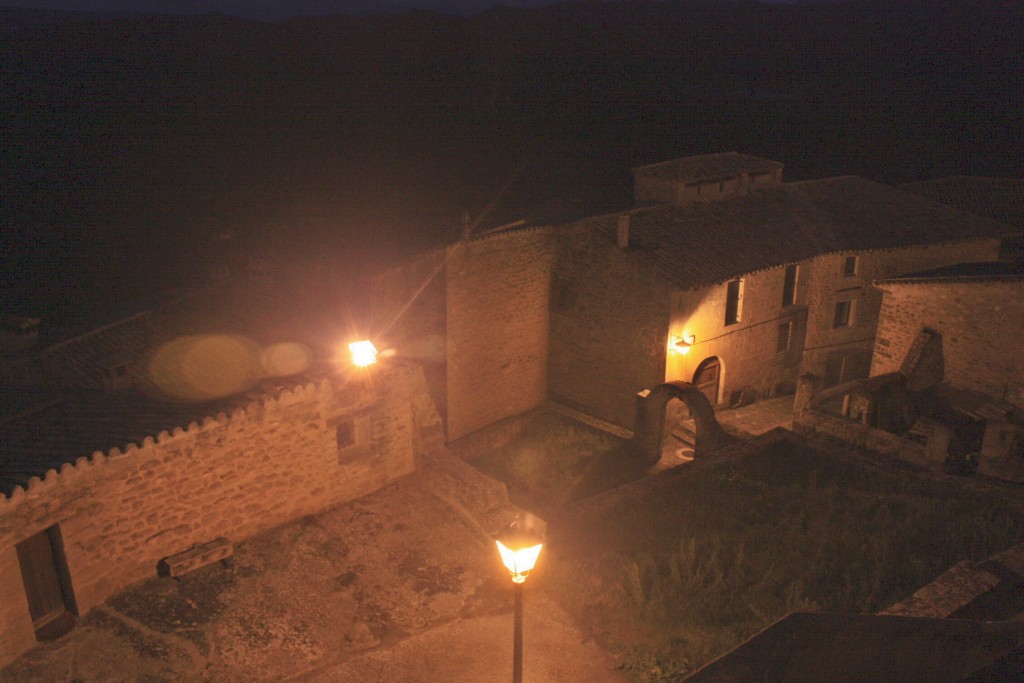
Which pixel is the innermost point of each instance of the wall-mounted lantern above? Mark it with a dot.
(682, 344)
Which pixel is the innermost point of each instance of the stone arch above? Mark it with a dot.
(650, 420)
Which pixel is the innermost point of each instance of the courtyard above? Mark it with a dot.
(396, 586)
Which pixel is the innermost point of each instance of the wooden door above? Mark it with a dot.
(706, 378)
(41, 575)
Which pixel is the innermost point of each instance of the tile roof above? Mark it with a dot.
(963, 272)
(60, 428)
(41, 428)
(264, 312)
(708, 167)
(705, 243)
(998, 198)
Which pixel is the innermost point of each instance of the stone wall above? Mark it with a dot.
(235, 475)
(748, 349)
(609, 318)
(828, 284)
(809, 418)
(497, 328)
(981, 324)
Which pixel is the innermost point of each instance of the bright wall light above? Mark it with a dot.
(682, 344)
(363, 353)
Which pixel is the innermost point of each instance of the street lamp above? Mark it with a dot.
(363, 352)
(519, 548)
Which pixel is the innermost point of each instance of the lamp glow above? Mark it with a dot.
(520, 561)
(682, 345)
(363, 352)
(519, 547)
(519, 550)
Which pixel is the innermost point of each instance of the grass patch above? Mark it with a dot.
(555, 460)
(704, 557)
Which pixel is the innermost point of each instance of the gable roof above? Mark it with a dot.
(698, 244)
(708, 167)
(998, 198)
(990, 271)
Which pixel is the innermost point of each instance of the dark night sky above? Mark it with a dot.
(283, 9)
(138, 140)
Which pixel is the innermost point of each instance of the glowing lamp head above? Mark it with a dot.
(363, 353)
(681, 345)
(519, 550)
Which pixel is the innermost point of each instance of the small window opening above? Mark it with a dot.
(785, 337)
(789, 286)
(843, 314)
(734, 301)
(345, 434)
(850, 266)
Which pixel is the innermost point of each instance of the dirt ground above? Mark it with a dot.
(394, 587)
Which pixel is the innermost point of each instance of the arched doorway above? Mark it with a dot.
(650, 424)
(706, 378)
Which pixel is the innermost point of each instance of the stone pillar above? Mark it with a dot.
(807, 388)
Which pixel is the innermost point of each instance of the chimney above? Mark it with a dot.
(622, 231)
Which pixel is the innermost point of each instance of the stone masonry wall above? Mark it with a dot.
(497, 328)
(609, 318)
(747, 350)
(234, 475)
(981, 323)
(828, 284)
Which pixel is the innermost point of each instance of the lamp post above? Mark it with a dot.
(519, 548)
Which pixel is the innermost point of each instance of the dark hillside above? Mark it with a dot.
(129, 140)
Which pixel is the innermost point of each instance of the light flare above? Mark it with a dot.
(363, 352)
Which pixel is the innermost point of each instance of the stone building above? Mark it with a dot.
(955, 333)
(172, 430)
(736, 282)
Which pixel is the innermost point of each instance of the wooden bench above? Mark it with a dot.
(217, 550)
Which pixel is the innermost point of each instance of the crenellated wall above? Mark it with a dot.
(234, 475)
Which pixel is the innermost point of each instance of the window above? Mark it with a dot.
(115, 376)
(844, 366)
(733, 301)
(789, 286)
(850, 266)
(785, 336)
(843, 314)
(345, 433)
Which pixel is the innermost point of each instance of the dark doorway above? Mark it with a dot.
(706, 378)
(47, 584)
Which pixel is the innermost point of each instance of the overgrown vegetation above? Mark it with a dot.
(555, 460)
(700, 558)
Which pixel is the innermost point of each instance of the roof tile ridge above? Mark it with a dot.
(98, 330)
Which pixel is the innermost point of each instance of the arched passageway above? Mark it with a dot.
(650, 420)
